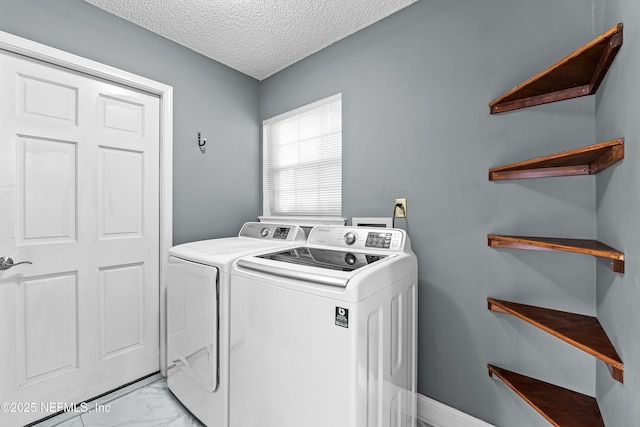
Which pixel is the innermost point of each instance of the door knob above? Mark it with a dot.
(6, 263)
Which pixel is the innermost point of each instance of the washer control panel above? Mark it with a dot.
(260, 230)
(388, 239)
(379, 240)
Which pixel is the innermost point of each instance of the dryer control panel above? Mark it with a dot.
(267, 231)
(385, 239)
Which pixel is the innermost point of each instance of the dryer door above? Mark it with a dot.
(192, 322)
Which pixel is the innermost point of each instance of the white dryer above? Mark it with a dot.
(198, 315)
(325, 334)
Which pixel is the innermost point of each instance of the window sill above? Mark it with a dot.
(306, 221)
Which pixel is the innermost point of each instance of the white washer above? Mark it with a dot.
(198, 315)
(325, 334)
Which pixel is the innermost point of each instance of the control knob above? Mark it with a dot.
(264, 232)
(350, 238)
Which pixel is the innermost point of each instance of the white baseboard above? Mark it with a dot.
(440, 415)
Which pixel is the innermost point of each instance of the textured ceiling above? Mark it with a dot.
(256, 37)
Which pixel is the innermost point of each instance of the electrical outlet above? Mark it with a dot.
(401, 210)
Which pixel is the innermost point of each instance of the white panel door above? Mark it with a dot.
(79, 198)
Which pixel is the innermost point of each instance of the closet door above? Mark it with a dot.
(79, 199)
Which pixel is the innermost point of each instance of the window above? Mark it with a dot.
(302, 165)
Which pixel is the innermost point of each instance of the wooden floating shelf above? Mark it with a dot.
(587, 160)
(583, 332)
(577, 74)
(560, 406)
(612, 258)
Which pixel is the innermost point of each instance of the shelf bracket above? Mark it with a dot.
(540, 173)
(616, 373)
(611, 156)
(605, 61)
(546, 98)
(615, 265)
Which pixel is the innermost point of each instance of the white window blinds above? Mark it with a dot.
(302, 161)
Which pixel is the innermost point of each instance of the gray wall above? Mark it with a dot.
(214, 193)
(416, 124)
(618, 210)
(415, 90)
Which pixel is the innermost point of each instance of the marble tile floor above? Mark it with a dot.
(144, 404)
(147, 403)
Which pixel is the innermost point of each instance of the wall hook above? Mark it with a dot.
(202, 142)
